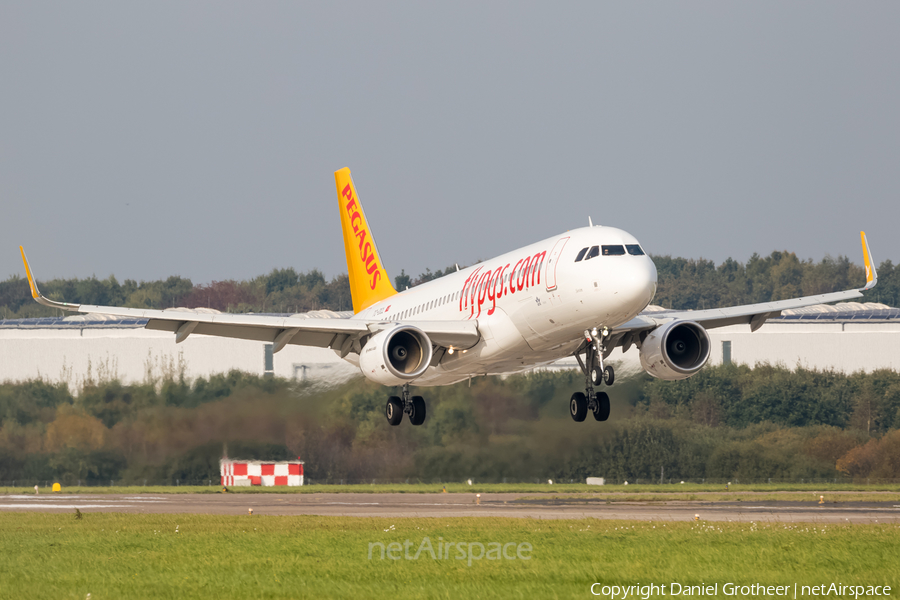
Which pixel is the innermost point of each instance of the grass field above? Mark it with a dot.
(199, 556)
(800, 492)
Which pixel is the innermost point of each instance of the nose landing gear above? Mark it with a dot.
(414, 406)
(595, 374)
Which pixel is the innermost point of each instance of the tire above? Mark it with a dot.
(596, 375)
(601, 412)
(393, 410)
(418, 412)
(609, 376)
(578, 407)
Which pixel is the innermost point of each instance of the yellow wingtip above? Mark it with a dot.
(34, 291)
(866, 261)
(871, 275)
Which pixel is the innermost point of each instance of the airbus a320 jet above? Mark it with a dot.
(581, 293)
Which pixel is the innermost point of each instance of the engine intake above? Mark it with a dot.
(675, 350)
(396, 356)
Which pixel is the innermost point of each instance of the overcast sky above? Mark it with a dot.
(200, 139)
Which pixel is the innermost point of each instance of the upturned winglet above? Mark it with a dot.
(36, 293)
(871, 275)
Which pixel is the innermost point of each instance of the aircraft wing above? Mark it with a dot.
(754, 315)
(341, 334)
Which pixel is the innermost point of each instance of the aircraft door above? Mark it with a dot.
(550, 273)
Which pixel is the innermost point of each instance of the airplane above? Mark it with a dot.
(583, 293)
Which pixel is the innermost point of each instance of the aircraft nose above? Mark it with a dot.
(639, 284)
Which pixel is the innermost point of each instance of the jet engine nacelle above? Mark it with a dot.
(675, 350)
(396, 356)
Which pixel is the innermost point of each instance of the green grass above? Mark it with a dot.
(202, 556)
(520, 488)
(828, 497)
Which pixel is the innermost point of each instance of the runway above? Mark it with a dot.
(455, 505)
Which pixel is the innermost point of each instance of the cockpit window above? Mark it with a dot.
(581, 254)
(613, 250)
(634, 250)
(594, 251)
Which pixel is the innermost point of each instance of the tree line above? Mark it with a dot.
(683, 284)
(729, 423)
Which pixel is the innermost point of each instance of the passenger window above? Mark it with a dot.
(613, 250)
(634, 250)
(581, 254)
(594, 251)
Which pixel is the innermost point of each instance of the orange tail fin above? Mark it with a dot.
(369, 282)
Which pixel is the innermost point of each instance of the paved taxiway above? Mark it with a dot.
(455, 505)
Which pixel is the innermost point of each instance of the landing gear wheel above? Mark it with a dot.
(393, 410)
(417, 416)
(578, 407)
(609, 376)
(601, 407)
(596, 376)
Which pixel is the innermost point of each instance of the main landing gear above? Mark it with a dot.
(595, 374)
(414, 406)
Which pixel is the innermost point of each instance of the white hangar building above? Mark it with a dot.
(845, 337)
(96, 347)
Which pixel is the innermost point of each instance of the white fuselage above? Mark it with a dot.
(532, 305)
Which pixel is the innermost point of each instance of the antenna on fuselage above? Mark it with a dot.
(590, 223)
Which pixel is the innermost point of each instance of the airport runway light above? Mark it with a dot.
(250, 511)
(696, 517)
(821, 499)
(477, 498)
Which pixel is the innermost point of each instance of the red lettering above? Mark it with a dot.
(348, 194)
(355, 217)
(512, 278)
(536, 263)
(464, 294)
(502, 291)
(488, 287)
(371, 265)
(482, 290)
(375, 277)
(522, 279)
(492, 292)
(473, 294)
